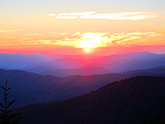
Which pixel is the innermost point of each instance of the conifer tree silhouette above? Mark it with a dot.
(7, 116)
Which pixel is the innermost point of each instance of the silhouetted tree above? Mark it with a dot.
(7, 116)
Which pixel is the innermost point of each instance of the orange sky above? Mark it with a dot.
(100, 32)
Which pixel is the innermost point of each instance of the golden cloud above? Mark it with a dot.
(110, 16)
(88, 41)
(91, 41)
(7, 31)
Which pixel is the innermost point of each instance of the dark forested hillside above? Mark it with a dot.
(130, 101)
(33, 88)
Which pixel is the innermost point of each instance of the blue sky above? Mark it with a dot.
(42, 6)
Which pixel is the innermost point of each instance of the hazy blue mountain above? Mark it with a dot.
(114, 63)
(134, 64)
(132, 61)
(56, 64)
(130, 56)
(67, 62)
(158, 70)
(32, 88)
(39, 63)
(137, 100)
(21, 61)
(91, 70)
(144, 55)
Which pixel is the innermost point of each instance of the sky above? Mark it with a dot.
(82, 27)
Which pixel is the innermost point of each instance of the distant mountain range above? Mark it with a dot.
(39, 79)
(22, 61)
(81, 65)
(157, 71)
(138, 100)
(110, 64)
(127, 65)
(91, 70)
(32, 88)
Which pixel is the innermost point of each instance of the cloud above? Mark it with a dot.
(51, 14)
(7, 31)
(110, 16)
(72, 15)
(88, 41)
(120, 16)
(95, 40)
(34, 34)
(91, 41)
(134, 38)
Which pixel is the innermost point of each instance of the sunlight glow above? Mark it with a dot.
(88, 41)
(87, 50)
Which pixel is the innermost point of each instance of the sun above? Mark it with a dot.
(90, 41)
(87, 50)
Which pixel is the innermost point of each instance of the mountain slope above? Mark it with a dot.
(21, 61)
(69, 62)
(31, 88)
(158, 70)
(134, 64)
(130, 56)
(130, 101)
(38, 63)
(91, 70)
(114, 63)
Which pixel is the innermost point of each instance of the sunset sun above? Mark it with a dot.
(90, 41)
(87, 50)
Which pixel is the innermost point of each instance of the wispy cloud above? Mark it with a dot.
(91, 41)
(51, 14)
(134, 38)
(110, 16)
(34, 34)
(6, 31)
(88, 41)
(73, 15)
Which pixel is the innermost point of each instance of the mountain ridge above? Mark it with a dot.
(135, 100)
(90, 70)
(51, 88)
(38, 63)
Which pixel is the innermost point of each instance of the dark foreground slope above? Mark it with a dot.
(130, 101)
(31, 88)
